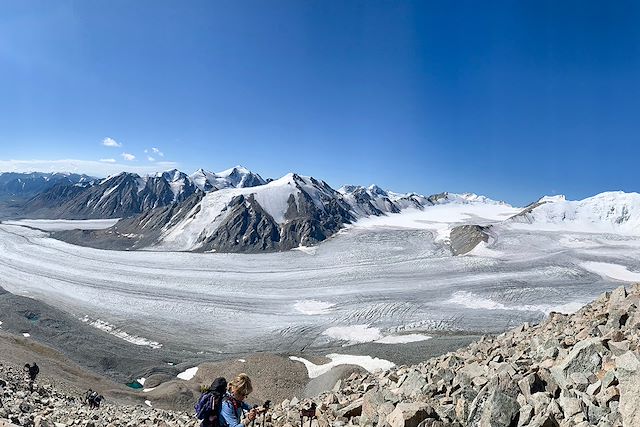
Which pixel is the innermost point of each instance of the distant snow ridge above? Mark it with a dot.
(236, 177)
(28, 184)
(373, 200)
(552, 199)
(614, 211)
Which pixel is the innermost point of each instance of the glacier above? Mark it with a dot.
(391, 273)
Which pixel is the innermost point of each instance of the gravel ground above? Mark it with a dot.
(275, 377)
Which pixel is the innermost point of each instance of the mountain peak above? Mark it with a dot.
(237, 169)
(552, 199)
(377, 190)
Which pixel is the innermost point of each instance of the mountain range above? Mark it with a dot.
(238, 211)
(20, 185)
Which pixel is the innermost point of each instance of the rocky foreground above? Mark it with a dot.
(577, 370)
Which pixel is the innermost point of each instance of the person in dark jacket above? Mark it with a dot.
(34, 370)
(31, 373)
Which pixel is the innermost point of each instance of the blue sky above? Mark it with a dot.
(512, 99)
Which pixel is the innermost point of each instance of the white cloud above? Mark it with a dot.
(108, 160)
(157, 151)
(151, 159)
(110, 142)
(128, 156)
(89, 167)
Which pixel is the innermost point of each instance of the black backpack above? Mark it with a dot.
(210, 402)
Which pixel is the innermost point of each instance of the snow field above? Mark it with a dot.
(379, 276)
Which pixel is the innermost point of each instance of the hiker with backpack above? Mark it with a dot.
(93, 399)
(31, 372)
(233, 404)
(223, 406)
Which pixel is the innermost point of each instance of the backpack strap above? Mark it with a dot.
(233, 400)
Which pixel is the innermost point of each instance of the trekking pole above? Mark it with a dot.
(253, 421)
(266, 405)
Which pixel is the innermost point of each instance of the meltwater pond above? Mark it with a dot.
(365, 284)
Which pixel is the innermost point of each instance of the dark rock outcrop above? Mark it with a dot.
(466, 237)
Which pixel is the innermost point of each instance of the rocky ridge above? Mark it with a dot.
(578, 370)
(570, 370)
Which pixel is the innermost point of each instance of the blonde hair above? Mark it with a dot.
(241, 384)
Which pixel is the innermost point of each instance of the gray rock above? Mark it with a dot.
(371, 401)
(413, 384)
(629, 389)
(466, 237)
(409, 414)
(354, 409)
(493, 409)
(584, 358)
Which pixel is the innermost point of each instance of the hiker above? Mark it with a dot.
(233, 404)
(31, 372)
(93, 399)
(210, 403)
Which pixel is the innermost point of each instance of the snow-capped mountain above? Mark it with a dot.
(282, 214)
(233, 211)
(373, 200)
(614, 211)
(285, 213)
(117, 196)
(21, 185)
(127, 194)
(236, 177)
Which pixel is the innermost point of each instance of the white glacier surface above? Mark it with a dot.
(377, 277)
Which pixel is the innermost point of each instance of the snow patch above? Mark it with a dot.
(366, 362)
(242, 360)
(313, 307)
(141, 380)
(26, 335)
(147, 390)
(148, 403)
(188, 374)
(309, 250)
(612, 271)
(117, 332)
